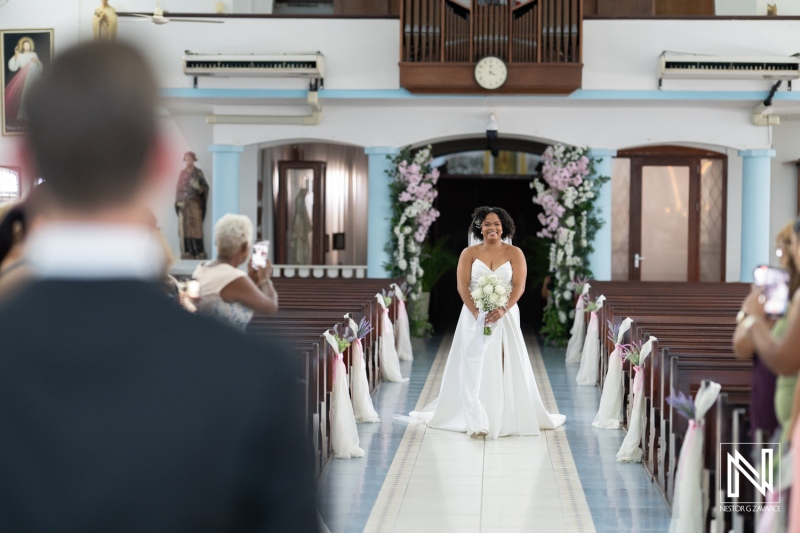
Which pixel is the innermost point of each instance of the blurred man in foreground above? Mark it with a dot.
(118, 410)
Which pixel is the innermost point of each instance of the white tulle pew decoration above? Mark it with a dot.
(344, 433)
(631, 451)
(590, 358)
(362, 401)
(610, 412)
(390, 363)
(576, 333)
(688, 512)
(402, 326)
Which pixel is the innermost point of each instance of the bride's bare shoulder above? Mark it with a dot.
(515, 252)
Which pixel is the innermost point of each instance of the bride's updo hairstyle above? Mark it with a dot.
(505, 219)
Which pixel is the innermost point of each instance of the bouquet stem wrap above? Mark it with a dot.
(363, 408)
(610, 412)
(390, 363)
(577, 333)
(589, 371)
(630, 451)
(688, 513)
(344, 433)
(402, 327)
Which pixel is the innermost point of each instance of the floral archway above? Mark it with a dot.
(570, 220)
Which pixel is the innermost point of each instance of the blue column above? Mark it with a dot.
(224, 181)
(379, 209)
(600, 258)
(756, 239)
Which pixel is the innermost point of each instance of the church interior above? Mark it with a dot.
(642, 157)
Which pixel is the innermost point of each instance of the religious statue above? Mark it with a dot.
(104, 22)
(301, 228)
(190, 205)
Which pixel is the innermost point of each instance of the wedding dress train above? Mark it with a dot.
(488, 386)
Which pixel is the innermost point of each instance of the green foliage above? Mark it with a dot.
(436, 261)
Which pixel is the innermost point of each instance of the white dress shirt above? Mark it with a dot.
(94, 251)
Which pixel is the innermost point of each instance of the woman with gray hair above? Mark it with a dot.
(227, 292)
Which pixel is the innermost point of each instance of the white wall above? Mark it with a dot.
(601, 124)
(756, 7)
(623, 54)
(783, 186)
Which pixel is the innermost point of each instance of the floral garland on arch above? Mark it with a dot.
(570, 220)
(413, 190)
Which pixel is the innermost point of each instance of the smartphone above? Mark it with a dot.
(260, 254)
(776, 288)
(193, 288)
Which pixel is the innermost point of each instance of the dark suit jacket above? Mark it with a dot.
(121, 412)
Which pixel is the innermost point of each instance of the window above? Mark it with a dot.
(9, 184)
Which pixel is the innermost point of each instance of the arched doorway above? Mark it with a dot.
(472, 177)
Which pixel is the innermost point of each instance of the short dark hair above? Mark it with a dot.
(92, 124)
(505, 219)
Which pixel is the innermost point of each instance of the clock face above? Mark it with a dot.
(491, 72)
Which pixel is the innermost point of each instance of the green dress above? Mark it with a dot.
(784, 385)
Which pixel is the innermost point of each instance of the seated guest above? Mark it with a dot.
(226, 292)
(772, 397)
(15, 222)
(120, 411)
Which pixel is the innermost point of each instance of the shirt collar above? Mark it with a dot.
(94, 251)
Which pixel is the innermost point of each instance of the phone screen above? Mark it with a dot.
(260, 254)
(776, 288)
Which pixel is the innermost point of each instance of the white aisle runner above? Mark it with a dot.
(444, 481)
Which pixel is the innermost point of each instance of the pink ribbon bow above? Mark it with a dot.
(618, 350)
(340, 357)
(401, 304)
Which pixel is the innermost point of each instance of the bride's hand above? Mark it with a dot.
(495, 315)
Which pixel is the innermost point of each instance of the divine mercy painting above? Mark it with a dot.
(26, 54)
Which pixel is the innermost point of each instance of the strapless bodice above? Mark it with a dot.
(504, 272)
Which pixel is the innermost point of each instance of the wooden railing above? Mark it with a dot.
(534, 31)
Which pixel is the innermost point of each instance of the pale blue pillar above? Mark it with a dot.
(756, 239)
(224, 181)
(379, 209)
(600, 258)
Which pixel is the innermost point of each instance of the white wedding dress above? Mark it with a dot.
(488, 384)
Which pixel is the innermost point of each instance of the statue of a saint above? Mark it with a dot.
(301, 229)
(104, 23)
(190, 204)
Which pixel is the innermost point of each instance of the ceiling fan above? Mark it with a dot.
(158, 17)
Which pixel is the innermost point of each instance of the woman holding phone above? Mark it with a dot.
(227, 292)
(772, 406)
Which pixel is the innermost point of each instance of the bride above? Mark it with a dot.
(488, 387)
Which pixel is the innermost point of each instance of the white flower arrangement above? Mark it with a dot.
(567, 196)
(413, 185)
(490, 294)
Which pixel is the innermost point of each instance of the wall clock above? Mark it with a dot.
(491, 72)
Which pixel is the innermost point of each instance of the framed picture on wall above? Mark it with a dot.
(26, 54)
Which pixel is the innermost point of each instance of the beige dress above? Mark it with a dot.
(212, 279)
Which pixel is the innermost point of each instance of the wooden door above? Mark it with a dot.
(300, 226)
(664, 219)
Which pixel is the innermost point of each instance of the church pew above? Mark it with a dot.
(686, 376)
(308, 307)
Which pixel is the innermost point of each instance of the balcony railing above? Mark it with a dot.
(524, 34)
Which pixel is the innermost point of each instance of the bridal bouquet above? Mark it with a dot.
(490, 294)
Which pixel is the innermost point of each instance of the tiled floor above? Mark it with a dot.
(418, 479)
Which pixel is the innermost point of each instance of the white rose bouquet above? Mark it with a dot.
(490, 294)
